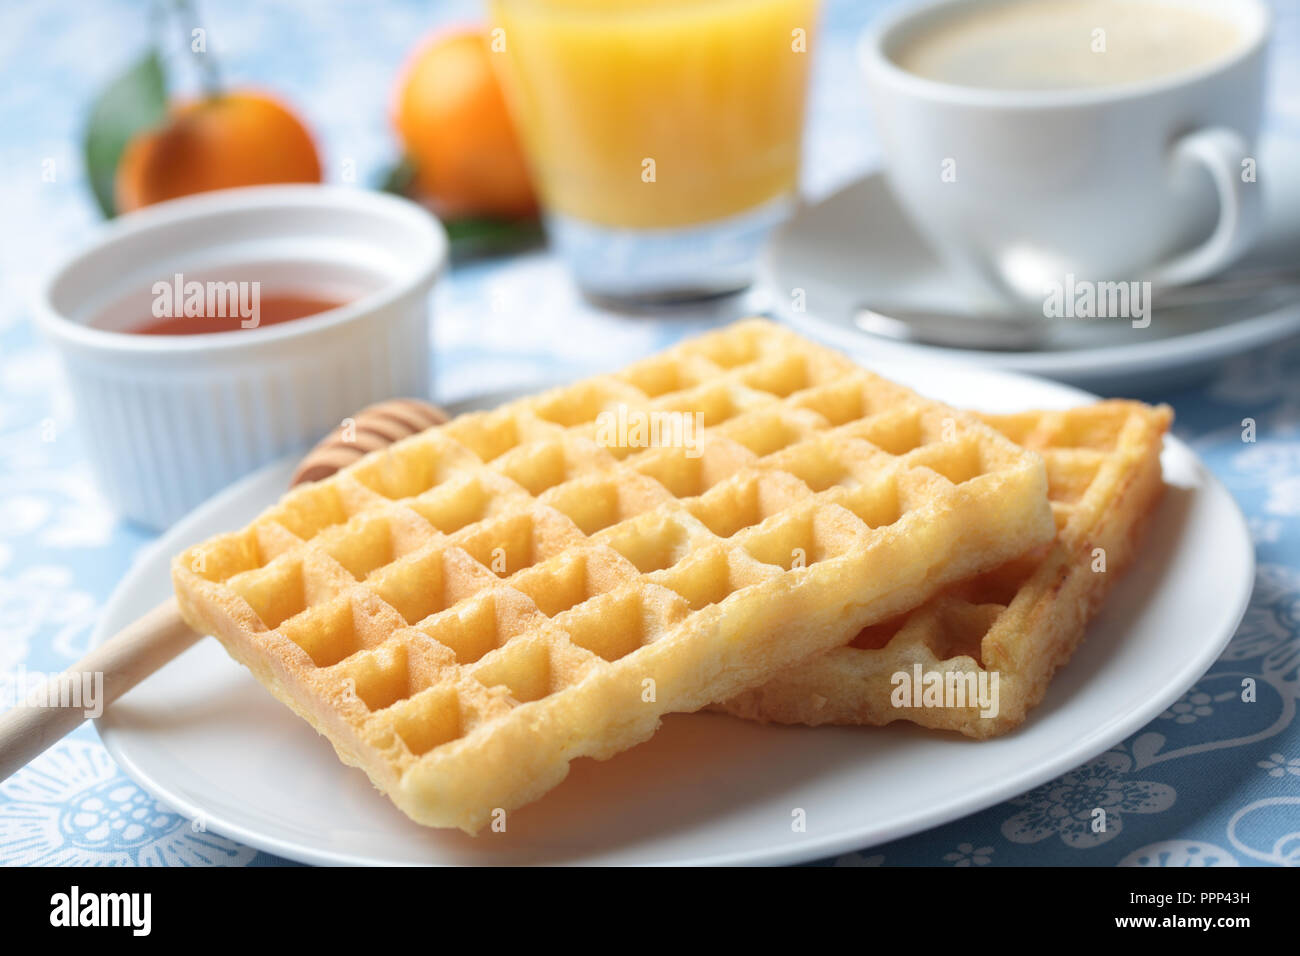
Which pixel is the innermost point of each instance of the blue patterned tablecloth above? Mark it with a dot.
(1212, 781)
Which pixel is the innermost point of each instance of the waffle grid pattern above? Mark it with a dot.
(1022, 620)
(467, 611)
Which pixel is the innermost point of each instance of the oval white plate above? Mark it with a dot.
(204, 737)
(857, 247)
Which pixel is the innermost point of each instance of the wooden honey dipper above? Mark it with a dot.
(141, 648)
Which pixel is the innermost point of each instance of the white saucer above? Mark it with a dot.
(204, 737)
(857, 247)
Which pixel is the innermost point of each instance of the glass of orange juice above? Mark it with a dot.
(664, 135)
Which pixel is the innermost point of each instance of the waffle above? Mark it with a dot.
(1021, 621)
(464, 613)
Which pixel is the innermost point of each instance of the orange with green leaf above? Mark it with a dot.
(241, 138)
(141, 149)
(451, 116)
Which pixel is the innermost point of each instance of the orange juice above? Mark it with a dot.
(657, 113)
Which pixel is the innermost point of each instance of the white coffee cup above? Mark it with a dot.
(1019, 188)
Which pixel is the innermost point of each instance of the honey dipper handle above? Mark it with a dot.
(125, 659)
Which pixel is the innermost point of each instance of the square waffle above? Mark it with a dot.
(464, 613)
(1023, 620)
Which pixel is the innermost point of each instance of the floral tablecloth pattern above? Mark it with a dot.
(1210, 782)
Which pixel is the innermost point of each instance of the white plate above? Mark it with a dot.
(857, 247)
(205, 738)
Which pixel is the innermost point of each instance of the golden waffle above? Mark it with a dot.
(1021, 621)
(466, 612)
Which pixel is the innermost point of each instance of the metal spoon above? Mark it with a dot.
(1019, 332)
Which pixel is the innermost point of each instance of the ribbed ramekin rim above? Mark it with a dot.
(67, 332)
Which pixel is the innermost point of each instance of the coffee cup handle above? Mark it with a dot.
(1221, 151)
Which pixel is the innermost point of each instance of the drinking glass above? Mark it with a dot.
(664, 135)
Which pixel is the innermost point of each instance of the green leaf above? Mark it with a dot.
(399, 178)
(475, 237)
(471, 236)
(135, 101)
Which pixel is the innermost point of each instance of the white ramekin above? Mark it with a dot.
(169, 420)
